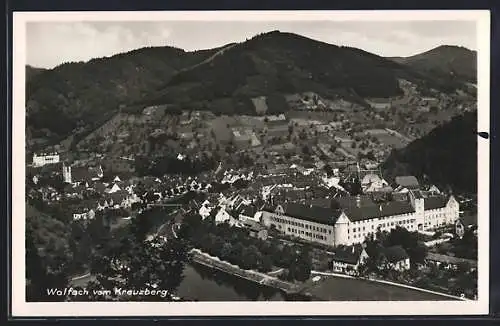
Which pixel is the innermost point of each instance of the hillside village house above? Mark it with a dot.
(44, 159)
(380, 103)
(357, 217)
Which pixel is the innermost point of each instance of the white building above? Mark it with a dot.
(357, 217)
(84, 215)
(44, 159)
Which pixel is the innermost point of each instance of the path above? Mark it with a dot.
(398, 134)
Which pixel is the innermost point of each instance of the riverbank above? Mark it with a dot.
(333, 287)
(257, 277)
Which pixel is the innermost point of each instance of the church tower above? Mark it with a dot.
(66, 173)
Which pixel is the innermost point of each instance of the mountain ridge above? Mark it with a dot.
(270, 64)
(445, 61)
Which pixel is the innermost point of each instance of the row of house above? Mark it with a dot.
(347, 259)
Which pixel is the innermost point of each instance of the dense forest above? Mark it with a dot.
(79, 93)
(447, 156)
(287, 63)
(449, 63)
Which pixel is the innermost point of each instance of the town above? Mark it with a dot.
(272, 167)
(293, 182)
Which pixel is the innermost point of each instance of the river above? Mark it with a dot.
(205, 284)
(202, 283)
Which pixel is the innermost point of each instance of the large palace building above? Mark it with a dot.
(351, 219)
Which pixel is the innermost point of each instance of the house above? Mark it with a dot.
(205, 209)
(259, 232)
(396, 258)
(102, 204)
(248, 213)
(223, 216)
(346, 259)
(83, 214)
(113, 189)
(466, 222)
(96, 173)
(450, 262)
(118, 199)
(255, 229)
(379, 103)
(373, 183)
(433, 189)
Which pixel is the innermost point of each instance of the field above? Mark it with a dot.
(386, 138)
(343, 289)
(220, 127)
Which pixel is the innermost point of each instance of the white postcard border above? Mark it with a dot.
(20, 308)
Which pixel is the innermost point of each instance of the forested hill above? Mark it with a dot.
(446, 62)
(32, 72)
(280, 63)
(83, 92)
(222, 80)
(447, 156)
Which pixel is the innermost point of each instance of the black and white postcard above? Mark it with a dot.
(250, 163)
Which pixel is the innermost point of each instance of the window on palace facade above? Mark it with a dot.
(331, 231)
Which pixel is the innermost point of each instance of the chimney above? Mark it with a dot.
(352, 249)
(358, 200)
(380, 207)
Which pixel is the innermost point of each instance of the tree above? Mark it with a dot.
(302, 269)
(135, 262)
(50, 271)
(328, 169)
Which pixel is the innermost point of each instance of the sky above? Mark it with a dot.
(52, 43)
